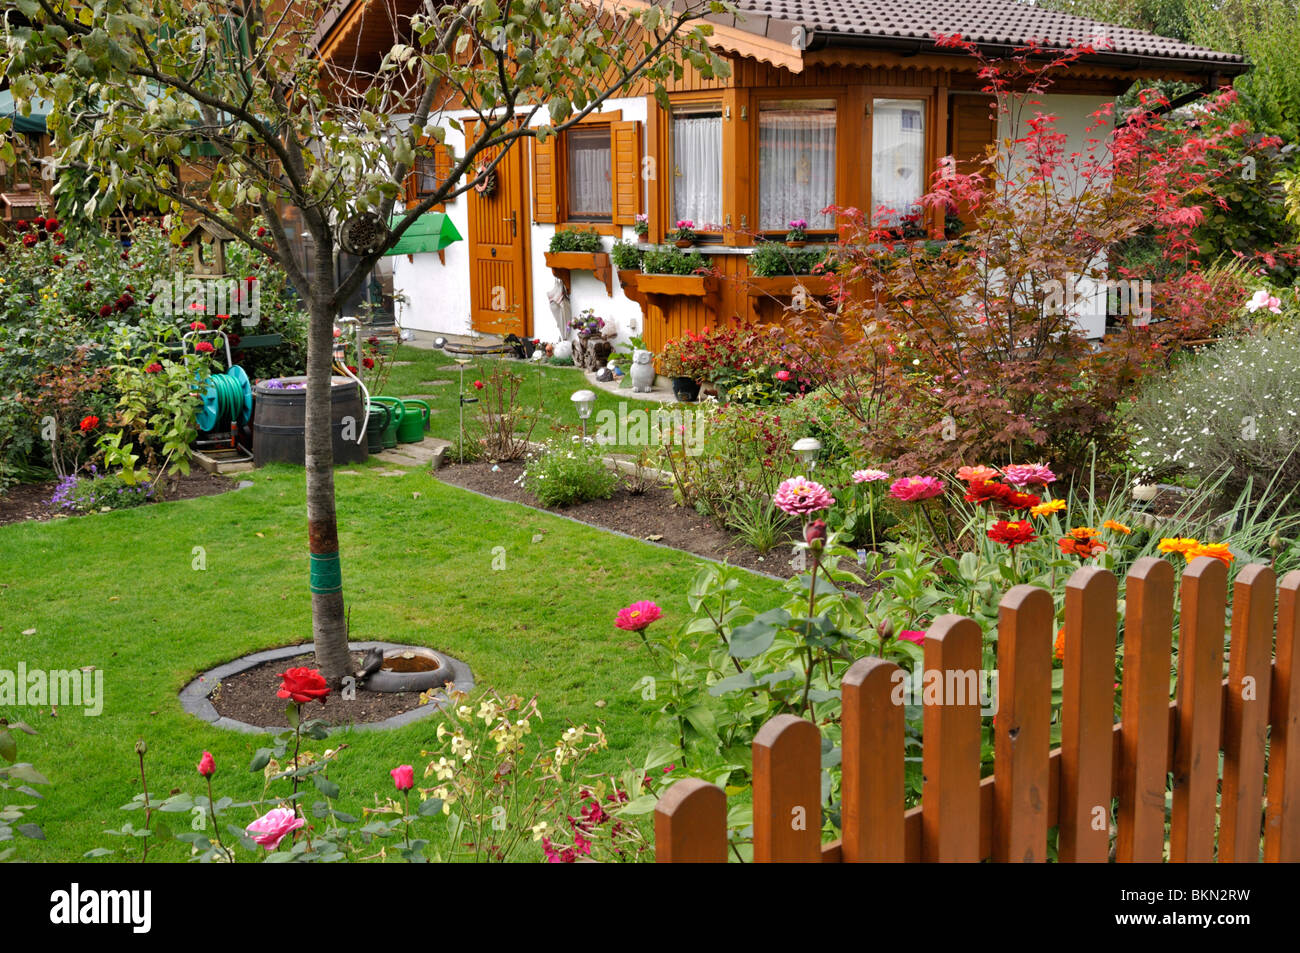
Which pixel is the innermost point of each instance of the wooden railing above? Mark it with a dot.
(1105, 777)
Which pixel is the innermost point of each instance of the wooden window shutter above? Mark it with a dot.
(625, 140)
(441, 156)
(546, 173)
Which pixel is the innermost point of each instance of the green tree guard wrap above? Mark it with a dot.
(326, 573)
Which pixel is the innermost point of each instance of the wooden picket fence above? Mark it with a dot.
(1252, 716)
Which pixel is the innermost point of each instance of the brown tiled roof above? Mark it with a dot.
(912, 24)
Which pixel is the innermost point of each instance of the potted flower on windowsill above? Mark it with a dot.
(642, 225)
(797, 237)
(683, 234)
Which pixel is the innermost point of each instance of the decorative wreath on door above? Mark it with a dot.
(487, 184)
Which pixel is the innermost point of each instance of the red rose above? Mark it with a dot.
(29, 240)
(153, 368)
(261, 232)
(207, 766)
(478, 385)
(303, 685)
(204, 347)
(89, 423)
(815, 533)
(106, 310)
(20, 225)
(368, 362)
(60, 238)
(51, 224)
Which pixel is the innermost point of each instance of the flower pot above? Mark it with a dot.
(686, 389)
(684, 242)
(790, 244)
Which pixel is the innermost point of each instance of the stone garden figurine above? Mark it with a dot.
(643, 372)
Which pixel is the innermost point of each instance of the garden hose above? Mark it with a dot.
(224, 402)
(344, 371)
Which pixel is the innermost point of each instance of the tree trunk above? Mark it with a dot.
(329, 623)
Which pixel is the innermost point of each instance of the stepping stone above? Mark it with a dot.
(392, 473)
(441, 383)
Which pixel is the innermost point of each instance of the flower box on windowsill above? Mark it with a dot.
(758, 288)
(562, 263)
(690, 286)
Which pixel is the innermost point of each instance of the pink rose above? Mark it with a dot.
(912, 635)
(783, 375)
(207, 766)
(403, 777)
(269, 829)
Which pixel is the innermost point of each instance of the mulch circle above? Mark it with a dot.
(250, 697)
(651, 516)
(31, 501)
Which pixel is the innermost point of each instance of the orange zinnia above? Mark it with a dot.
(1045, 509)
(1219, 551)
(1058, 650)
(1117, 527)
(1084, 532)
(1084, 548)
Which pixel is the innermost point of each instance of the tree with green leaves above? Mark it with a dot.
(141, 89)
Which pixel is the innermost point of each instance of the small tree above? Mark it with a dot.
(142, 88)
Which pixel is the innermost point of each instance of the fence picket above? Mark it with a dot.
(1282, 813)
(1246, 715)
(1087, 716)
(1200, 711)
(691, 824)
(950, 758)
(787, 792)
(1022, 739)
(1144, 737)
(872, 772)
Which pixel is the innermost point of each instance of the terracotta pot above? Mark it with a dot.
(790, 244)
(684, 242)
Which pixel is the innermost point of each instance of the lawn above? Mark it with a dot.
(546, 386)
(118, 591)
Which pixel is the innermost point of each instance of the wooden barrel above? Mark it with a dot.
(280, 414)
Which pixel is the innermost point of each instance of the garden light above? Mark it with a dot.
(808, 448)
(584, 400)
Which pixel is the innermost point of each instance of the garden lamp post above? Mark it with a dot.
(584, 400)
(808, 448)
(462, 361)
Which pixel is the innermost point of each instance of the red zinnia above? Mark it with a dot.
(106, 310)
(153, 368)
(1012, 533)
(89, 423)
(368, 362)
(198, 326)
(986, 491)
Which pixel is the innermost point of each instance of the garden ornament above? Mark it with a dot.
(643, 371)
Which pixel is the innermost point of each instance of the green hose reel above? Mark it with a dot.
(226, 399)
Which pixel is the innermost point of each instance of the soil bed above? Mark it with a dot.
(31, 501)
(651, 516)
(249, 696)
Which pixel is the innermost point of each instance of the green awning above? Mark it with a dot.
(33, 124)
(432, 231)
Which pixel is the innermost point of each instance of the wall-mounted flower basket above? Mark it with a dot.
(759, 289)
(691, 286)
(565, 262)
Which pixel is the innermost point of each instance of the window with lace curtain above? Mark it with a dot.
(590, 174)
(898, 171)
(796, 163)
(697, 166)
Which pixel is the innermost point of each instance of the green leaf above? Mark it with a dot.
(291, 712)
(734, 683)
(325, 785)
(8, 747)
(639, 805)
(260, 760)
(430, 807)
(757, 636)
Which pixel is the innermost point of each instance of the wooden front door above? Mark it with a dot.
(498, 247)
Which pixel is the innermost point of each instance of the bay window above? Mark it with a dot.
(796, 162)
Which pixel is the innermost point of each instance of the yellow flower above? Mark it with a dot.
(1045, 509)
(1117, 527)
(540, 829)
(1179, 544)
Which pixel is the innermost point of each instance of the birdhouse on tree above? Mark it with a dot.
(207, 244)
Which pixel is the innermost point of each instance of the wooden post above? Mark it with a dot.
(691, 824)
(950, 759)
(1282, 813)
(1144, 736)
(1087, 716)
(1022, 741)
(1200, 708)
(872, 788)
(787, 792)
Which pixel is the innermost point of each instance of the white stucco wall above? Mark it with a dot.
(439, 295)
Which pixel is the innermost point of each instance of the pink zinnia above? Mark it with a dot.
(869, 475)
(637, 616)
(1028, 474)
(799, 497)
(913, 635)
(977, 474)
(269, 829)
(915, 489)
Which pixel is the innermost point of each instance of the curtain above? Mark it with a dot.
(796, 161)
(897, 158)
(697, 170)
(590, 174)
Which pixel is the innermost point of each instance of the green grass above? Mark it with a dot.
(117, 591)
(547, 385)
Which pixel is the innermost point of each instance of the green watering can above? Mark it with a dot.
(396, 413)
(381, 415)
(413, 422)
